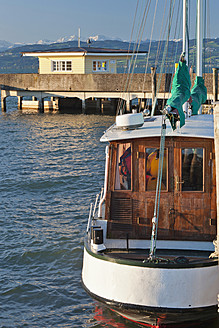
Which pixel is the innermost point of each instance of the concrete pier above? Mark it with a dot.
(91, 93)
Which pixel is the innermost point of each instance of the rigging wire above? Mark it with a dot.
(158, 191)
(138, 43)
(148, 57)
(170, 17)
(155, 218)
(195, 46)
(149, 50)
(135, 51)
(176, 35)
(142, 22)
(168, 49)
(127, 58)
(161, 35)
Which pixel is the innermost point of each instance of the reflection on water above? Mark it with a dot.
(52, 166)
(105, 317)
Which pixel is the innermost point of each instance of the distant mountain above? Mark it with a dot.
(4, 45)
(11, 60)
(101, 37)
(60, 40)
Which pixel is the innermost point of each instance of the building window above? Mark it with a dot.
(100, 66)
(61, 65)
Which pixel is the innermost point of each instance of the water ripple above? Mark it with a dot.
(52, 166)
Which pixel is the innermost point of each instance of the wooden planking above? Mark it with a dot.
(183, 215)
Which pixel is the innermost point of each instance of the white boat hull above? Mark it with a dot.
(132, 286)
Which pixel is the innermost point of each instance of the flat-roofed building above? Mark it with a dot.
(79, 60)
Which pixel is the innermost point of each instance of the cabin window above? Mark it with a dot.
(123, 167)
(100, 66)
(61, 65)
(192, 169)
(152, 164)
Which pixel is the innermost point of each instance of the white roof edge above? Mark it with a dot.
(52, 54)
(115, 54)
(55, 54)
(105, 139)
(198, 126)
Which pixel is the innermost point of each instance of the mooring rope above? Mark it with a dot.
(158, 190)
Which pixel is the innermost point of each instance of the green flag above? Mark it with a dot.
(180, 91)
(198, 94)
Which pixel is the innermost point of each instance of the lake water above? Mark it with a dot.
(51, 168)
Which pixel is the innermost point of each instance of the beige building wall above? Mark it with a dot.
(112, 63)
(78, 65)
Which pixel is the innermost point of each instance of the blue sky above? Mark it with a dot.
(31, 20)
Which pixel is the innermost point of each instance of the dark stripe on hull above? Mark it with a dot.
(158, 265)
(158, 317)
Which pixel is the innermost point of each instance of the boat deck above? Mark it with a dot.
(174, 258)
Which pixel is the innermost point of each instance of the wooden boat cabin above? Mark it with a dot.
(188, 196)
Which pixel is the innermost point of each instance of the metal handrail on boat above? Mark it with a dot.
(94, 207)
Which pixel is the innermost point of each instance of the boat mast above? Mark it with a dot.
(199, 36)
(185, 43)
(199, 41)
(185, 31)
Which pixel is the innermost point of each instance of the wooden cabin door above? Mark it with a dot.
(187, 202)
(193, 207)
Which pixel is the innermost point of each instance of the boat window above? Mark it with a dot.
(192, 169)
(152, 164)
(123, 167)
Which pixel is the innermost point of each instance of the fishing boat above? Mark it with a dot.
(151, 245)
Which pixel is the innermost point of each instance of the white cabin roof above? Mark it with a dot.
(197, 126)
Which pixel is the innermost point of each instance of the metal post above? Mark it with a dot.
(199, 36)
(79, 37)
(153, 85)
